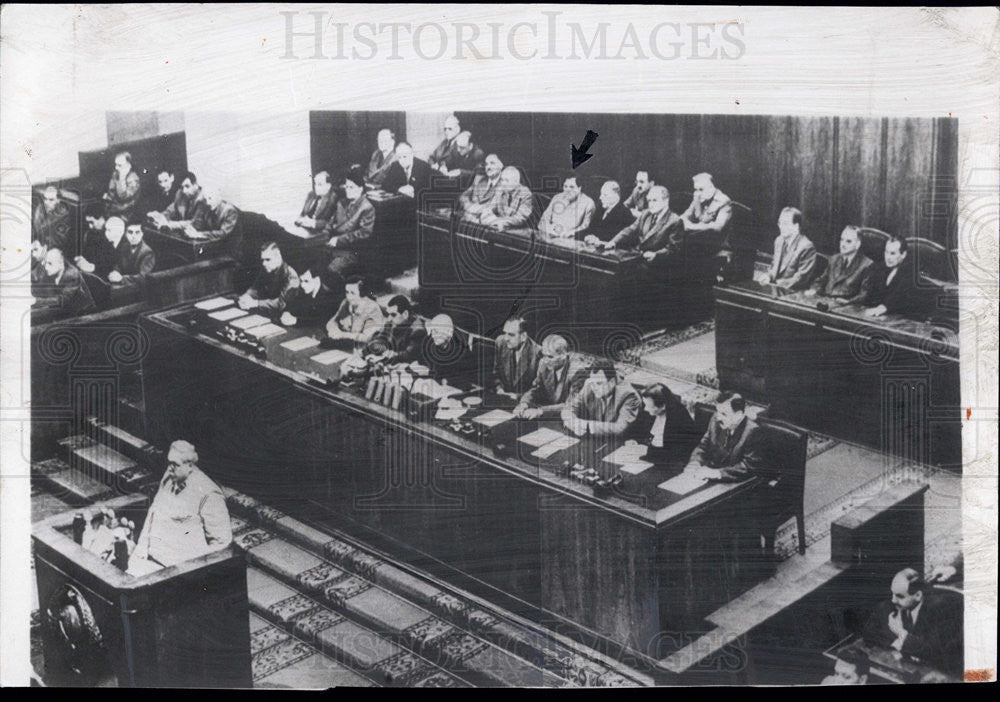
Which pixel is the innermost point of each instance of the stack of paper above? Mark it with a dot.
(213, 304)
(628, 454)
(541, 437)
(493, 417)
(303, 342)
(227, 314)
(682, 484)
(250, 321)
(265, 331)
(563, 442)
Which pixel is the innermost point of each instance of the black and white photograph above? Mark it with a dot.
(498, 346)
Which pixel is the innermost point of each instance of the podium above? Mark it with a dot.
(182, 626)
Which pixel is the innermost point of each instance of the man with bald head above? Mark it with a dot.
(446, 149)
(919, 621)
(320, 205)
(216, 220)
(568, 213)
(480, 195)
(557, 380)
(51, 222)
(658, 233)
(465, 160)
(63, 286)
(447, 351)
(512, 207)
(612, 217)
(382, 158)
(409, 175)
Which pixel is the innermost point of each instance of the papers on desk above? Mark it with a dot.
(682, 484)
(266, 331)
(434, 389)
(541, 437)
(300, 344)
(228, 314)
(563, 442)
(250, 321)
(330, 357)
(493, 418)
(213, 304)
(193, 233)
(630, 453)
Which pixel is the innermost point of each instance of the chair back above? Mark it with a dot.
(873, 243)
(822, 265)
(703, 413)
(785, 447)
(931, 259)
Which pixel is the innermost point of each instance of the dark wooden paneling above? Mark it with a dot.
(148, 156)
(339, 138)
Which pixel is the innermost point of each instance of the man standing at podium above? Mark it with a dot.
(188, 517)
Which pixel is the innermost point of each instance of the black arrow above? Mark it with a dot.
(580, 155)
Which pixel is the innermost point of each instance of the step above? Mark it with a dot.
(45, 504)
(453, 610)
(363, 650)
(107, 465)
(123, 441)
(132, 415)
(75, 488)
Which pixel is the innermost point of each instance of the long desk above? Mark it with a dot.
(476, 508)
(891, 383)
(174, 247)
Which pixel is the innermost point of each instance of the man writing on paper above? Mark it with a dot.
(605, 406)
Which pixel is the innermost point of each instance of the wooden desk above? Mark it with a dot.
(505, 525)
(891, 384)
(174, 247)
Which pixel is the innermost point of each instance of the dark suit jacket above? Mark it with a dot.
(405, 339)
(842, 280)
(311, 311)
(680, 435)
(738, 453)
(901, 296)
(322, 209)
(158, 200)
(378, 166)
(70, 294)
(135, 263)
(182, 208)
(469, 164)
(611, 418)
(554, 387)
(936, 637)
(55, 228)
(605, 227)
(515, 206)
(353, 225)
(271, 290)
(662, 232)
(420, 178)
(794, 269)
(454, 360)
(525, 366)
(218, 222)
(99, 251)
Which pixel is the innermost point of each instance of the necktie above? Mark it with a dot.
(408, 176)
(907, 620)
(781, 254)
(312, 207)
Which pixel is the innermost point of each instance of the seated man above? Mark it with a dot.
(402, 337)
(382, 158)
(359, 318)
(179, 213)
(512, 206)
(38, 251)
(919, 622)
(480, 195)
(568, 213)
(52, 222)
(350, 230)
(611, 218)
(320, 205)
(136, 260)
(604, 406)
(63, 287)
(408, 176)
(658, 233)
(188, 517)
(851, 668)
(731, 449)
(164, 193)
(310, 304)
(124, 189)
(441, 153)
(516, 361)
(276, 279)
(709, 212)
(557, 380)
(636, 201)
(216, 219)
(892, 288)
(465, 160)
(666, 426)
(449, 353)
(101, 255)
(847, 270)
(794, 255)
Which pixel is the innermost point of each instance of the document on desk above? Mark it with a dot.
(682, 484)
(493, 417)
(228, 314)
(541, 437)
(563, 442)
(300, 344)
(266, 331)
(253, 320)
(213, 304)
(627, 454)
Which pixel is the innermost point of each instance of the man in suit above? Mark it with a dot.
(38, 250)
(847, 271)
(794, 260)
(569, 212)
(382, 158)
(63, 286)
(311, 304)
(273, 284)
(165, 191)
(100, 255)
(124, 188)
(732, 448)
(666, 426)
(180, 212)
(920, 622)
(408, 176)
(402, 337)
(52, 223)
(448, 353)
(557, 380)
(851, 668)
(350, 231)
(710, 209)
(512, 207)
(359, 318)
(465, 160)
(479, 197)
(892, 288)
(446, 149)
(217, 218)
(658, 233)
(516, 362)
(611, 218)
(636, 202)
(604, 406)
(135, 261)
(320, 205)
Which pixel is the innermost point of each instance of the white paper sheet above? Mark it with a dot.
(213, 304)
(248, 322)
(682, 484)
(636, 467)
(227, 314)
(266, 331)
(493, 417)
(563, 442)
(627, 454)
(540, 437)
(303, 342)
